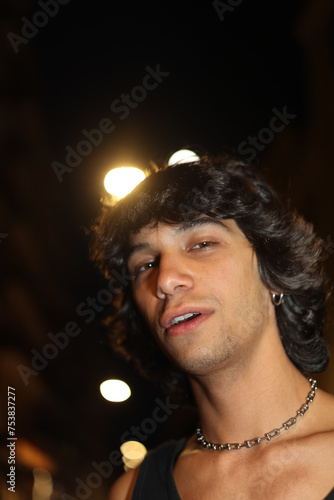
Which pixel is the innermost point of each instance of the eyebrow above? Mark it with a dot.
(181, 228)
(203, 221)
(135, 249)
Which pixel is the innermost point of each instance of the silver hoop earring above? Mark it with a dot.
(276, 299)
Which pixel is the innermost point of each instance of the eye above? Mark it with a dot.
(144, 267)
(203, 244)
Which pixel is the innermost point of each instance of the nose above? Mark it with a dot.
(173, 276)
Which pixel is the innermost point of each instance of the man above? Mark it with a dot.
(227, 296)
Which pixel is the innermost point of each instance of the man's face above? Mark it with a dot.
(198, 288)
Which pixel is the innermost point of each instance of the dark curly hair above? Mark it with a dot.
(289, 255)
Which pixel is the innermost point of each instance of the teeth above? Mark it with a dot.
(179, 319)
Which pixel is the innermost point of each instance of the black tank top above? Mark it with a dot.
(155, 479)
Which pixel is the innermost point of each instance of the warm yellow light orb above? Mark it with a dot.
(115, 390)
(42, 487)
(133, 454)
(121, 181)
(183, 156)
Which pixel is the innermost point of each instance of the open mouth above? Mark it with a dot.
(183, 319)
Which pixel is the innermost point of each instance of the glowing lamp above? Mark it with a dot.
(183, 156)
(121, 181)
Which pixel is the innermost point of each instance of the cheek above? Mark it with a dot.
(226, 274)
(138, 299)
(143, 301)
(234, 277)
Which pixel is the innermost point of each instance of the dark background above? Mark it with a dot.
(225, 78)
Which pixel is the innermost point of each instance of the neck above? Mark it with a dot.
(237, 403)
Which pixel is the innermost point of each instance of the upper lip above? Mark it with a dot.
(168, 315)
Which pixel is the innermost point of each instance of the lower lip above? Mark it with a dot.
(188, 326)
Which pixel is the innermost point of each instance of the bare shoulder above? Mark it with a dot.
(321, 438)
(122, 489)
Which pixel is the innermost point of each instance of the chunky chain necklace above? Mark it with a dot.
(269, 435)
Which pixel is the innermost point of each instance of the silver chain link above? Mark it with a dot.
(269, 435)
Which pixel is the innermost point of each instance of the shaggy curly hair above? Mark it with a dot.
(289, 255)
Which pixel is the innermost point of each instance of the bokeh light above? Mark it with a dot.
(121, 181)
(115, 390)
(183, 156)
(42, 487)
(133, 454)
